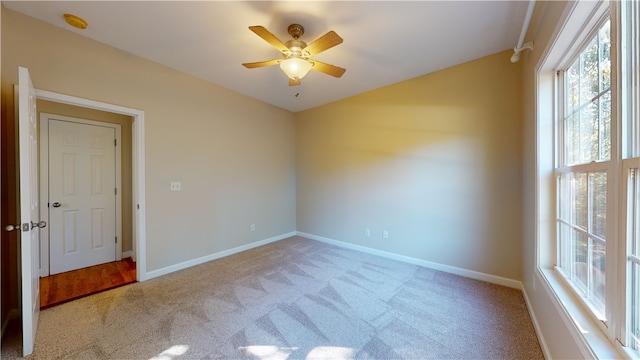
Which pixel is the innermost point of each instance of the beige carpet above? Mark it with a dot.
(293, 299)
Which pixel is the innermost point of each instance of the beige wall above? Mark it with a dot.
(234, 155)
(560, 344)
(434, 160)
(125, 123)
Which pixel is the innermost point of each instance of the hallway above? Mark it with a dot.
(60, 288)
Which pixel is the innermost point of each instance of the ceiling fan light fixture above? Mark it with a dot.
(295, 68)
(296, 54)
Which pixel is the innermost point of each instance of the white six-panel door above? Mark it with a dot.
(29, 210)
(82, 195)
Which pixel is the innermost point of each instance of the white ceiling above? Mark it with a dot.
(385, 42)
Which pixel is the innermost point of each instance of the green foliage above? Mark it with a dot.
(587, 132)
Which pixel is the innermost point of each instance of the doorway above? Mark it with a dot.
(82, 188)
(137, 173)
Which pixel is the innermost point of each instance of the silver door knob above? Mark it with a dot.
(56, 204)
(39, 224)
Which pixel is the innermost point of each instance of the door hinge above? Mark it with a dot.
(115, 142)
(115, 191)
(116, 239)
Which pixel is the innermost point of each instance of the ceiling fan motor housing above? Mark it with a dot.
(295, 48)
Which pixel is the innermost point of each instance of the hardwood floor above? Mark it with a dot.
(59, 288)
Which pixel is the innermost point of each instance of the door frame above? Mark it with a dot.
(138, 168)
(45, 268)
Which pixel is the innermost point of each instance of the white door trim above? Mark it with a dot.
(138, 172)
(44, 184)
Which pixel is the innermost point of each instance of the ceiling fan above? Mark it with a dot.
(296, 54)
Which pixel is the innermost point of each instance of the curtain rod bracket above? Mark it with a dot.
(516, 51)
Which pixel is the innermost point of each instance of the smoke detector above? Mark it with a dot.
(75, 21)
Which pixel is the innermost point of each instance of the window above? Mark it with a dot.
(630, 115)
(593, 72)
(584, 168)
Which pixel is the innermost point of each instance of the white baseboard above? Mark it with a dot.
(214, 256)
(428, 264)
(127, 254)
(536, 325)
(13, 313)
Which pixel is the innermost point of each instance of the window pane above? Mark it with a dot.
(597, 285)
(630, 67)
(580, 200)
(633, 211)
(605, 126)
(633, 228)
(589, 72)
(573, 139)
(564, 196)
(634, 324)
(589, 133)
(598, 209)
(604, 38)
(579, 263)
(564, 250)
(587, 99)
(573, 88)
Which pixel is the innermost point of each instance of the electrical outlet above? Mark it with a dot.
(367, 232)
(385, 234)
(253, 227)
(176, 186)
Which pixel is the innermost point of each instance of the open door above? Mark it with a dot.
(29, 210)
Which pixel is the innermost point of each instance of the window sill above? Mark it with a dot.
(585, 330)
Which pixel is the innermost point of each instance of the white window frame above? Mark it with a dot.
(594, 338)
(625, 266)
(628, 107)
(609, 166)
